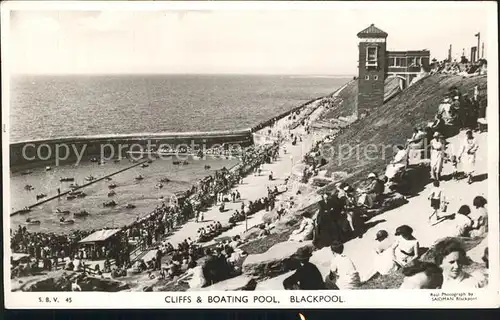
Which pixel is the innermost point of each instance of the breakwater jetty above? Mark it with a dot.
(62, 194)
(26, 153)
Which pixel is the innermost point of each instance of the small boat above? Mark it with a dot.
(74, 186)
(66, 222)
(116, 160)
(70, 197)
(159, 185)
(164, 180)
(81, 214)
(139, 177)
(24, 173)
(67, 179)
(30, 222)
(130, 206)
(102, 163)
(112, 186)
(144, 165)
(59, 211)
(90, 178)
(24, 210)
(108, 178)
(81, 195)
(111, 194)
(48, 168)
(40, 196)
(109, 203)
(176, 162)
(185, 162)
(150, 161)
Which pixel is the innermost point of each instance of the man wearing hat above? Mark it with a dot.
(307, 276)
(437, 155)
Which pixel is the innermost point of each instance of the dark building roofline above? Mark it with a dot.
(372, 31)
(409, 51)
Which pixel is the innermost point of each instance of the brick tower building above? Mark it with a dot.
(372, 68)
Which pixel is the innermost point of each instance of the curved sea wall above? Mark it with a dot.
(30, 153)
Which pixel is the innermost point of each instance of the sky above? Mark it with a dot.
(232, 41)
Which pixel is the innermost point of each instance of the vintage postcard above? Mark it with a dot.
(250, 154)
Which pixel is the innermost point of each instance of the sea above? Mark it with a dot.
(46, 107)
(55, 106)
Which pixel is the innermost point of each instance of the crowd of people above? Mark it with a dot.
(463, 68)
(51, 248)
(340, 215)
(403, 252)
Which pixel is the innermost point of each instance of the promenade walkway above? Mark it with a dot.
(255, 187)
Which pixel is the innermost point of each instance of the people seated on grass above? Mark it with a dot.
(397, 164)
(343, 274)
(479, 217)
(383, 260)
(457, 225)
(307, 276)
(450, 257)
(406, 248)
(417, 140)
(193, 277)
(305, 230)
(421, 275)
(371, 195)
(263, 231)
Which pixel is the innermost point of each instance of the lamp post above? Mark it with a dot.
(478, 35)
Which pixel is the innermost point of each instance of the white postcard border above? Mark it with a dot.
(481, 298)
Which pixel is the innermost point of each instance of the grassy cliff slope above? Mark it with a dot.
(372, 137)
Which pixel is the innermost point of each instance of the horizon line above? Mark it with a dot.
(181, 73)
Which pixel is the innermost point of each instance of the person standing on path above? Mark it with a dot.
(437, 155)
(469, 150)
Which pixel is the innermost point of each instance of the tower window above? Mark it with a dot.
(375, 77)
(367, 77)
(371, 56)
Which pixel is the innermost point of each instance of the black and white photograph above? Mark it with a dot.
(165, 152)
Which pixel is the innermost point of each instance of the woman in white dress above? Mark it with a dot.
(450, 257)
(304, 232)
(437, 155)
(469, 150)
(194, 277)
(406, 247)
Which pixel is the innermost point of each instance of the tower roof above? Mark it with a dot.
(372, 32)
